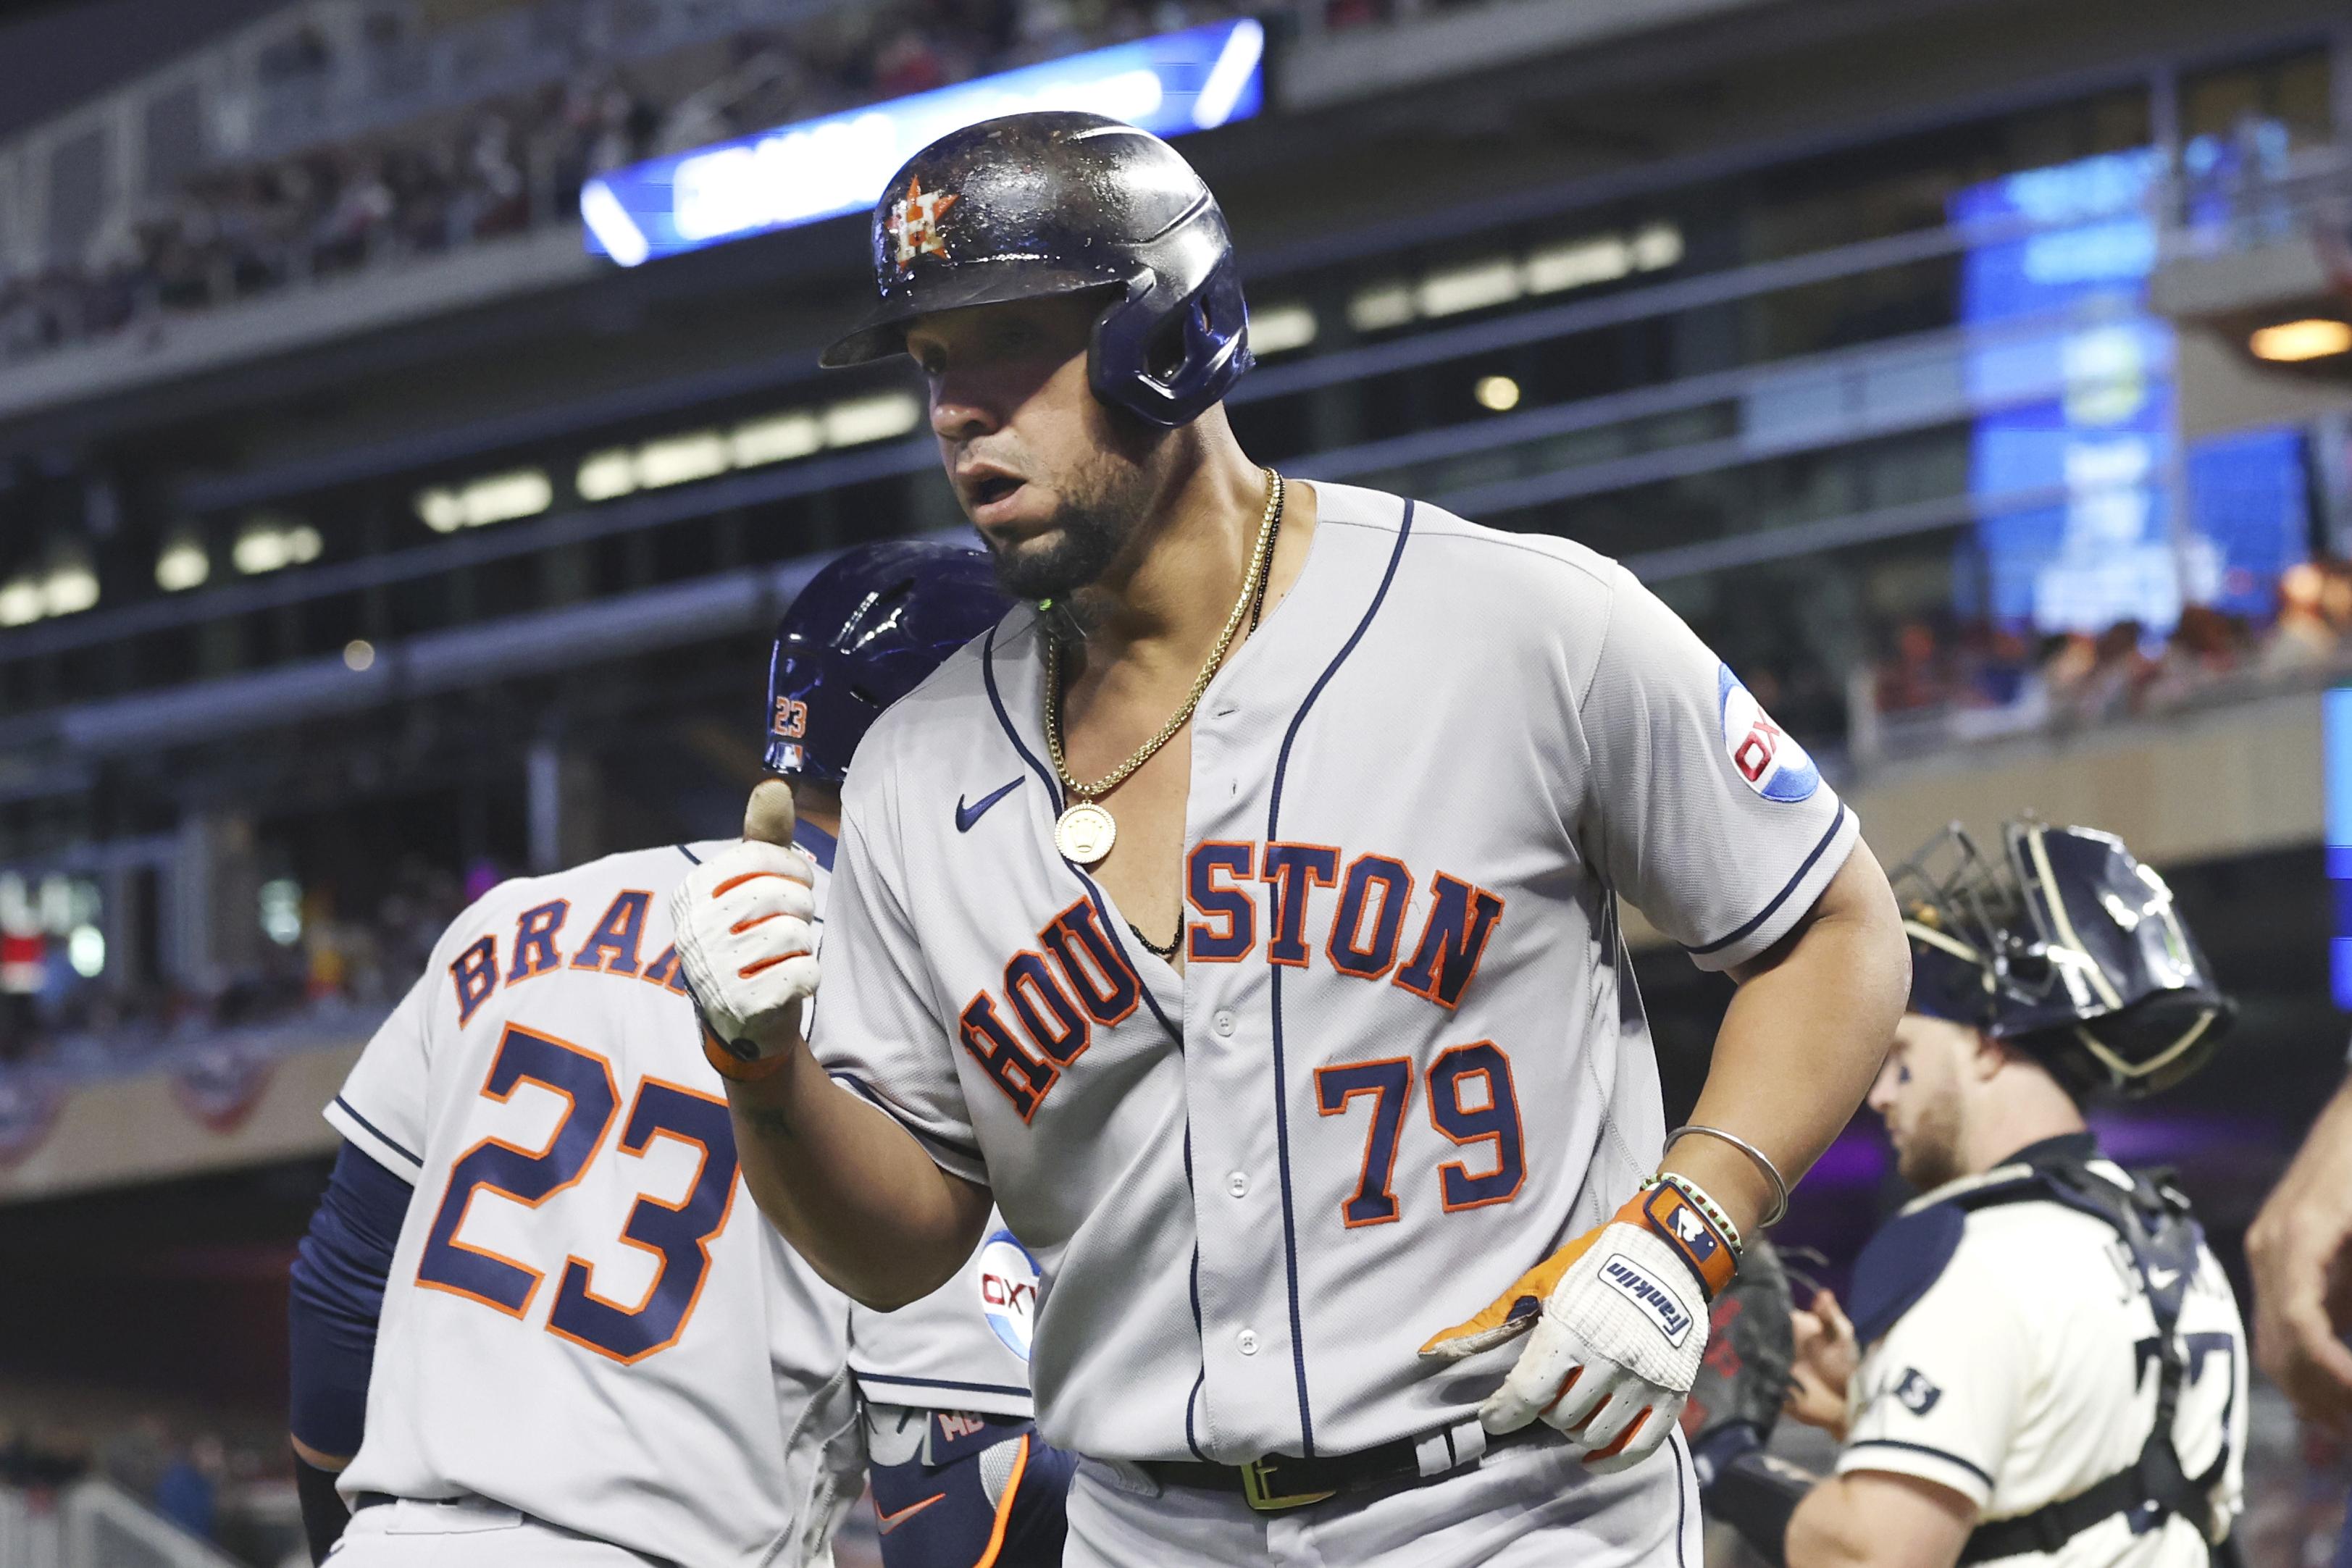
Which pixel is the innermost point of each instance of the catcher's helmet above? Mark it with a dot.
(1058, 202)
(2072, 950)
(862, 635)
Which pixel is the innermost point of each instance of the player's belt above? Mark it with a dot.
(1280, 1481)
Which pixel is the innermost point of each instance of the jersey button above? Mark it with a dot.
(1248, 1342)
(1237, 1184)
(1224, 1021)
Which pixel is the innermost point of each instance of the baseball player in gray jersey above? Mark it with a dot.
(1243, 920)
(960, 1478)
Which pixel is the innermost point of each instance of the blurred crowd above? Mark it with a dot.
(504, 165)
(2013, 682)
(360, 963)
(221, 1483)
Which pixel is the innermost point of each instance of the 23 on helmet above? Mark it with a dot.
(1033, 205)
(863, 632)
(2067, 947)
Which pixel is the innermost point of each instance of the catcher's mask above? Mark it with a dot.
(2068, 948)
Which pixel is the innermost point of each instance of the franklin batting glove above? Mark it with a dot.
(1619, 1321)
(746, 947)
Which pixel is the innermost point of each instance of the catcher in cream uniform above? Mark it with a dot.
(2041, 1357)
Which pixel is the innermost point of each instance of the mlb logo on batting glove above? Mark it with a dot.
(1696, 1239)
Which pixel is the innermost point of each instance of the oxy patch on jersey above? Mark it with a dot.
(1008, 1290)
(1766, 756)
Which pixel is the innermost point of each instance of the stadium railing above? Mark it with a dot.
(94, 1523)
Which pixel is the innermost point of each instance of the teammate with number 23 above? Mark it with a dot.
(1240, 915)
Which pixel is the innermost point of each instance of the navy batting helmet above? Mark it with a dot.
(863, 634)
(2072, 950)
(1055, 203)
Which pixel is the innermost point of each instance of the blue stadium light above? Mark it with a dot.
(2338, 751)
(1172, 85)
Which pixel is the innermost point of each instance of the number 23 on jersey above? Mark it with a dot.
(678, 1234)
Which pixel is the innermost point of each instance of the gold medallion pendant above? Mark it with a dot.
(1084, 832)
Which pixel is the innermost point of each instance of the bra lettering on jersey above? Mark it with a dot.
(535, 934)
(611, 948)
(1041, 1017)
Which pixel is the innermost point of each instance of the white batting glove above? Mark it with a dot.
(1619, 1318)
(747, 946)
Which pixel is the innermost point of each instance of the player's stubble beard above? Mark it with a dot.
(1928, 1154)
(1106, 503)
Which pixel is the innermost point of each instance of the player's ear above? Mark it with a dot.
(767, 815)
(1987, 1056)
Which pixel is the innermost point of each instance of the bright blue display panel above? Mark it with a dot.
(2339, 745)
(2074, 379)
(2075, 437)
(1193, 80)
(2248, 494)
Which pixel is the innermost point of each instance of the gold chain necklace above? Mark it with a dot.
(1085, 830)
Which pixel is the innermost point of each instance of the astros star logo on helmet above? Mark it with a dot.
(915, 222)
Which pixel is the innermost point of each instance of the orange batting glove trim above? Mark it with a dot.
(733, 1068)
(1624, 1438)
(1662, 1210)
(1513, 1312)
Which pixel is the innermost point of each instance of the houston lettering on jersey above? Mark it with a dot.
(612, 947)
(1041, 1018)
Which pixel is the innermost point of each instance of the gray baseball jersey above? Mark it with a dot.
(1404, 1061)
(965, 1346)
(582, 1321)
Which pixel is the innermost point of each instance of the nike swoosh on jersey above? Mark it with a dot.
(967, 815)
(890, 1521)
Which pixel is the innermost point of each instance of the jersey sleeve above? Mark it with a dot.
(1940, 1394)
(382, 1108)
(876, 1026)
(1700, 810)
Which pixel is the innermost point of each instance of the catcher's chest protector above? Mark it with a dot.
(2159, 1248)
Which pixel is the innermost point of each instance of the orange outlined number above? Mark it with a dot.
(1471, 1101)
(791, 722)
(530, 1177)
(1390, 1083)
(679, 1235)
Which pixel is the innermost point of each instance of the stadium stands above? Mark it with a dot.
(397, 145)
